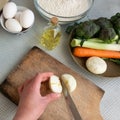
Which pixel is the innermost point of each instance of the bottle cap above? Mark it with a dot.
(54, 20)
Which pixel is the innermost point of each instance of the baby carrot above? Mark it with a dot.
(88, 52)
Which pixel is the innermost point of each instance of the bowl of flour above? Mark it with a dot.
(65, 10)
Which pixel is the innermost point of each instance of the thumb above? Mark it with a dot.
(52, 96)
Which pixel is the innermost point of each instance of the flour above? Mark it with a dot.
(66, 8)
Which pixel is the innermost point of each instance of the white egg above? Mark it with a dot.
(96, 65)
(26, 18)
(9, 10)
(17, 16)
(13, 26)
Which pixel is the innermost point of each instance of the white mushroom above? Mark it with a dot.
(96, 65)
(69, 81)
(55, 84)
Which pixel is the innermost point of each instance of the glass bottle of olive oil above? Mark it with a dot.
(51, 35)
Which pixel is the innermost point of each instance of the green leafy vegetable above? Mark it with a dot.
(108, 35)
(103, 22)
(70, 28)
(95, 44)
(87, 29)
(115, 17)
(115, 61)
(116, 22)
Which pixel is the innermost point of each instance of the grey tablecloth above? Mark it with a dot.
(14, 47)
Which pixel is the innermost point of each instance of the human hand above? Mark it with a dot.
(32, 104)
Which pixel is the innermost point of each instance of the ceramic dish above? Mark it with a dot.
(113, 70)
(2, 21)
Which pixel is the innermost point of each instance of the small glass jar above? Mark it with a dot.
(51, 35)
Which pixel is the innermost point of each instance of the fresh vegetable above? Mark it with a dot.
(103, 22)
(87, 29)
(117, 26)
(108, 35)
(69, 81)
(95, 43)
(107, 31)
(70, 28)
(101, 28)
(115, 60)
(55, 84)
(115, 17)
(88, 52)
(96, 65)
(116, 22)
(100, 34)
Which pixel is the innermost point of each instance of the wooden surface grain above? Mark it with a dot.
(86, 97)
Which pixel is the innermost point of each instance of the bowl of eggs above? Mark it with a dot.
(16, 19)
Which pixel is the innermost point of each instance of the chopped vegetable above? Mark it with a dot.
(87, 52)
(55, 84)
(95, 44)
(69, 81)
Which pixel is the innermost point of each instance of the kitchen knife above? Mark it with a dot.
(70, 103)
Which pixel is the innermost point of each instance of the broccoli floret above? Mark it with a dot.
(117, 26)
(116, 23)
(108, 35)
(87, 29)
(115, 17)
(70, 28)
(103, 22)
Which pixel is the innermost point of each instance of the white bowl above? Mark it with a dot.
(62, 19)
(2, 21)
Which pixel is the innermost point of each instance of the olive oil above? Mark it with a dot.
(51, 35)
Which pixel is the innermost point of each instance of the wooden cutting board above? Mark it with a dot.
(86, 97)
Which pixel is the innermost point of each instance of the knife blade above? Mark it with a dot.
(70, 103)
